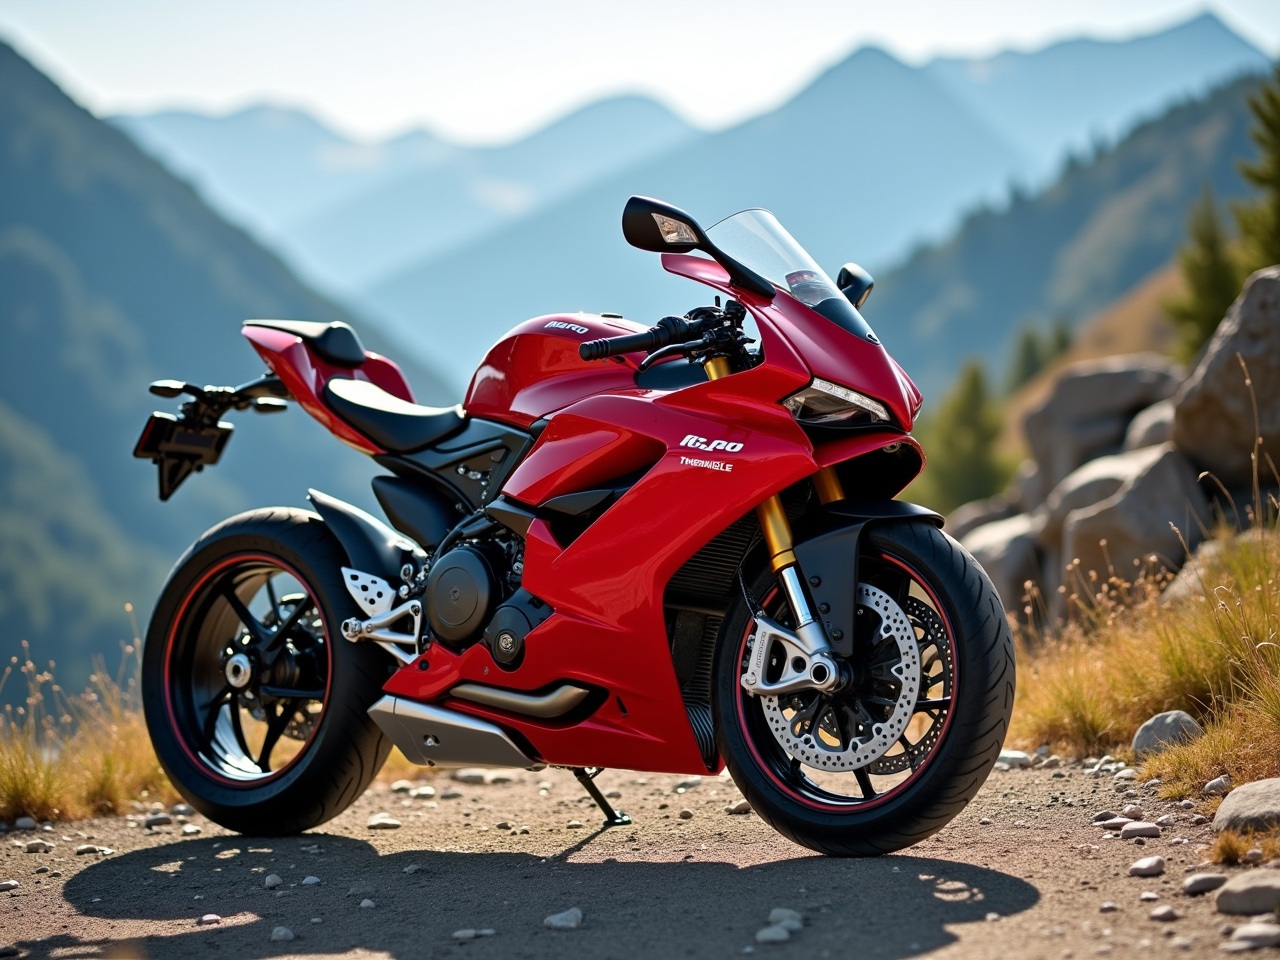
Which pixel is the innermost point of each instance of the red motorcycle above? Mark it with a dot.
(663, 549)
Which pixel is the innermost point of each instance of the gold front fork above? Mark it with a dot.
(773, 518)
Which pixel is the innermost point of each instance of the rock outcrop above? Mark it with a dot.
(1213, 421)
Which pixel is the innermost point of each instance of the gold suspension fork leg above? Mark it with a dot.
(828, 485)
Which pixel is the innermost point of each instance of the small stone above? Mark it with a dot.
(1258, 934)
(1164, 914)
(774, 933)
(1218, 786)
(1252, 856)
(383, 821)
(1014, 758)
(1187, 804)
(503, 825)
(736, 809)
(209, 919)
(1107, 906)
(24, 823)
(984, 822)
(1128, 773)
(1163, 731)
(422, 793)
(272, 881)
(614, 795)
(281, 933)
(1199, 883)
(574, 825)
(523, 830)
(1147, 867)
(39, 846)
(8, 885)
(467, 934)
(413, 868)
(570, 919)
(1132, 811)
(468, 775)
(317, 920)
(1257, 891)
(42, 869)
(190, 830)
(182, 810)
(310, 881)
(157, 820)
(451, 795)
(367, 904)
(1104, 815)
(402, 786)
(1168, 820)
(1199, 820)
(686, 814)
(85, 848)
(688, 783)
(785, 917)
(1139, 828)
(1115, 823)
(1147, 896)
(1049, 763)
(499, 778)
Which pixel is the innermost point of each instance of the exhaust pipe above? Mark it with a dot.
(436, 737)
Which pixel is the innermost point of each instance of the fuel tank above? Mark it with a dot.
(535, 369)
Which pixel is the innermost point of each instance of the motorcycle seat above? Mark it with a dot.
(394, 424)
(335, 342)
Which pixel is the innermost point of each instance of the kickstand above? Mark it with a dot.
(612, 818)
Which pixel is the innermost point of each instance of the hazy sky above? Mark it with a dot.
(494, 69)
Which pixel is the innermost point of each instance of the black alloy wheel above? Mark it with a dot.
(255, 703)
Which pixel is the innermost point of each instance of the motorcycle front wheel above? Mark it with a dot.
(254, 702)
(813, 765)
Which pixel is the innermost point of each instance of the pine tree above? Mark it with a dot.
(1028, 358)
(1259, 221)
(1210, 275)
(960, 442)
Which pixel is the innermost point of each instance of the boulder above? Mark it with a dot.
(1151, 426)
(1257, 891)
(1137, 522)
(1006, 549)
(1026, 490)
(1213, 421)
(1083, 487)
(1198, 574)
(1250, 807)
(1089, 409)
(1163, 731)
(970, 516)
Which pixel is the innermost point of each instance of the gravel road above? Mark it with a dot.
(1021, 873)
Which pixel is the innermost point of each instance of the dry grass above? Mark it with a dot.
(63, 757)
(1230, 847)
(1127, 654)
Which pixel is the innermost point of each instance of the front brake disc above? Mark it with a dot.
(806, 738)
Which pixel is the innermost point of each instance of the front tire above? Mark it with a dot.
(254, 702)
(928, 777)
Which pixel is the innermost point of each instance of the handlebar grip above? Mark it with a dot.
(648, 341)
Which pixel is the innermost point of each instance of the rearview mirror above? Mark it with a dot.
(855, 283)
(659, 227)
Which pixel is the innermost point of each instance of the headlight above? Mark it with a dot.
(829, 404)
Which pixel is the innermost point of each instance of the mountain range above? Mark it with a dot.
(363, 218)
(114, 273)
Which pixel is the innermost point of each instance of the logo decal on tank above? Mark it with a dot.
(562, 325)
(718, 465)
(702, 443)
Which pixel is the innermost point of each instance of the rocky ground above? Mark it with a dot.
(519, 869)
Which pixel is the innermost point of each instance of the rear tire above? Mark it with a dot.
(201, 708)
(943, 778)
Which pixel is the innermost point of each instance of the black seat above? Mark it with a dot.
(392, 423)
(335, 342)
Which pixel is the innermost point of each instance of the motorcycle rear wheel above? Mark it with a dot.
(254, 702)
(927, 778)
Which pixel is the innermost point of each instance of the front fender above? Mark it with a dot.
(828, 558)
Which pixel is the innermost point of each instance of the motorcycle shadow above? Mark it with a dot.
(891, 907)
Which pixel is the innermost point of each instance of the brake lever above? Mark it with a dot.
(672, 350)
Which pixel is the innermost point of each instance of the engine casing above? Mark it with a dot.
(462, 590)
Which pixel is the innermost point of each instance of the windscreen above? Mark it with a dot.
(757, 240)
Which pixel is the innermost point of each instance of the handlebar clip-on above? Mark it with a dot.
(705, 331)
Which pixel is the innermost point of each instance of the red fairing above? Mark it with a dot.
(304, 374)
(535, 369)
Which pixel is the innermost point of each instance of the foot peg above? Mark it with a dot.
(612, 818)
